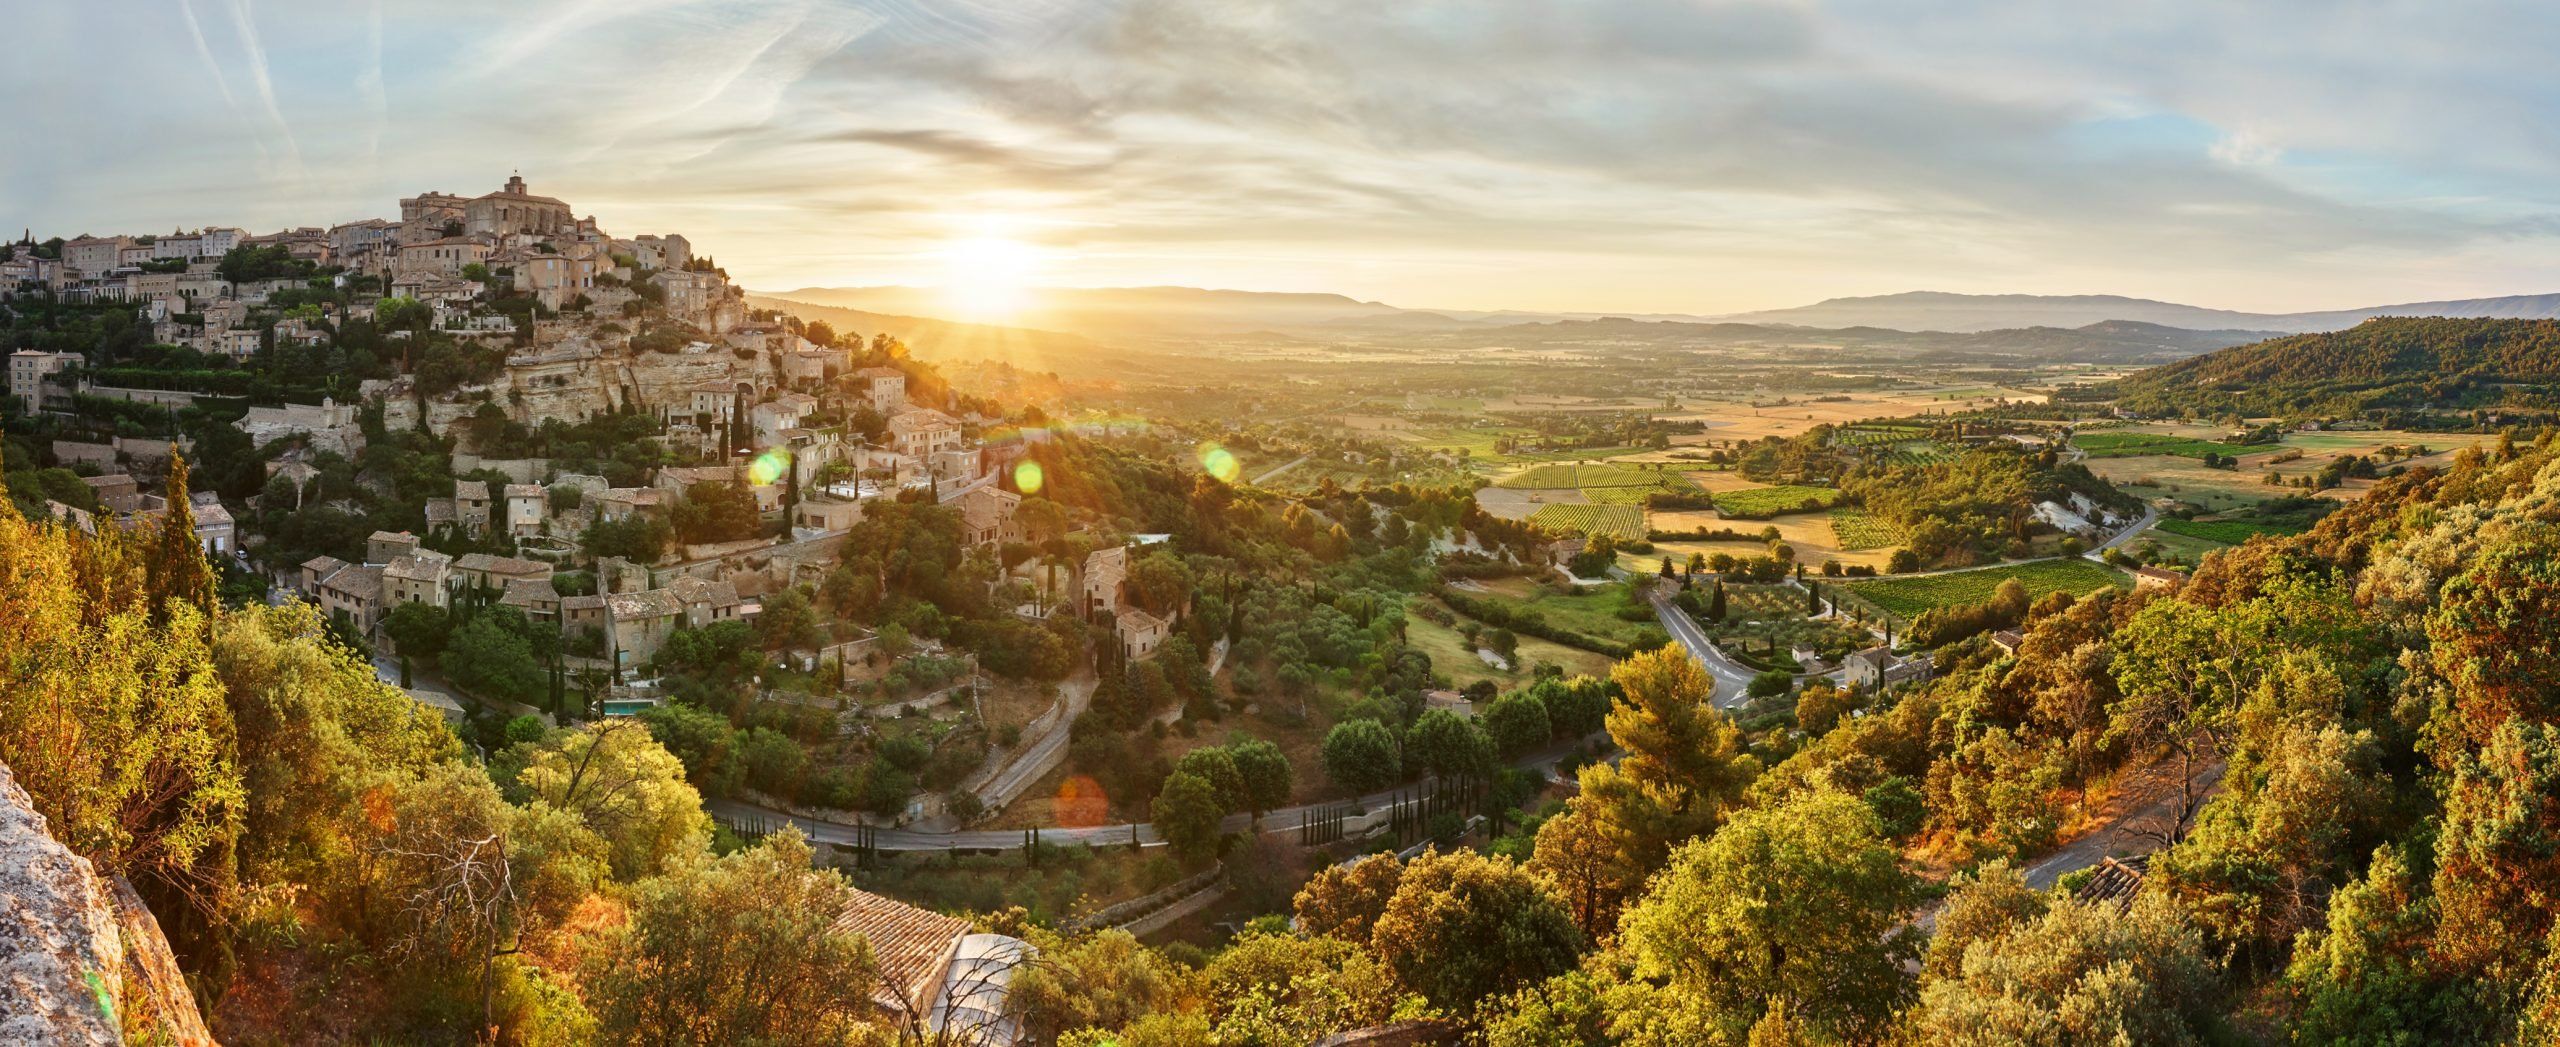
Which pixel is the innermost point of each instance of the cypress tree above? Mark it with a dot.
(173, 563)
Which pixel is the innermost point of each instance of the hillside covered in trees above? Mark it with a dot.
(2404, 363)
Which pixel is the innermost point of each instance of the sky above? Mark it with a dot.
(1671, 156)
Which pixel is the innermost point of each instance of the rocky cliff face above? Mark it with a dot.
(81, 960)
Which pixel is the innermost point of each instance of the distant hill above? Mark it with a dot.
(1174, 318)
(2110, 342)
(2422, 362)
(944, 340)
(1110, 311)
(1943, 311)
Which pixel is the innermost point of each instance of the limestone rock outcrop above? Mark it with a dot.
(82, 961)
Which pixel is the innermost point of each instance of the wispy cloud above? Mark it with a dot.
(1670, 155)
(369, 85)
(255, 53)
(213, 68)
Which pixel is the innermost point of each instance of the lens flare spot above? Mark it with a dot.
(1081, 803)
(1220, 462)
(1027, 478)
(767, 468)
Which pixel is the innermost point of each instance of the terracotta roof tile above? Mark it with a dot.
(912, 946)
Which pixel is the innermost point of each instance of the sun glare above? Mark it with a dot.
(988, 277)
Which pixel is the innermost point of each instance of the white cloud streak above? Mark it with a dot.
(256, 54)
(1648, 155)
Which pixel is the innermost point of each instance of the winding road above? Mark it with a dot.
(1284, 467)
(1732, 678)
(889, 838)
(1140, 833)
(1039, 755)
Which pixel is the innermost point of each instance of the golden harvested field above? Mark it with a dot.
(1731, 420)
(1720, 481)
(1811, 536)
(2186, 479)
(1535, 403)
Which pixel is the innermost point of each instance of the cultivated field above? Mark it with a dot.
(1854, 529)
(1450, 654)
(1742, 420)
(1761, 503)
(2110, 444)
(2187, 480)
(1591, 613)
(1761, 617)
(1624, 521)
(1812, 537)
(1910, 596)
(1521, 505)
(2227, 532)
(1584, 476)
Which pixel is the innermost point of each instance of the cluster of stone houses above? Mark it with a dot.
(123, 504)
(628, 624)
(522, 241)
(1877, 668)
(1102, 595)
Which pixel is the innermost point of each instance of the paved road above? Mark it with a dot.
(887, 838)
(1733, 679)
(1043, 753)
(1291, 464)
(2149, 516)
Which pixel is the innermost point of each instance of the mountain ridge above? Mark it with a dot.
(1193, 310)
(1952, 311)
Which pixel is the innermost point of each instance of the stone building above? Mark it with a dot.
(513, 210)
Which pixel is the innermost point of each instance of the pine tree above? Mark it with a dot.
(1715, 605)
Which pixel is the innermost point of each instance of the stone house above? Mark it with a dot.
(1140, 633)
(471, 505)
(618, 503)
(986, 515)
(1876, 668)
(350, 593)
(885, 387)
(2157, 578)
(1104, 570)
(528, 508)
(921, 431)
(442, 257)
(534, 596)
(637, 624)
(419, 576)
(494, 572)
(386, 546)
(555, 280)
(705, 602)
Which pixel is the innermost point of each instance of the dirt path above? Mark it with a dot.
(2137, 819)
(2134, 821)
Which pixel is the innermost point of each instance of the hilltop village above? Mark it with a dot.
(770, 443)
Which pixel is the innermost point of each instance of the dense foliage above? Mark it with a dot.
(2391, 362)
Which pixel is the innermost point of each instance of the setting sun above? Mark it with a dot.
(988, 277)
